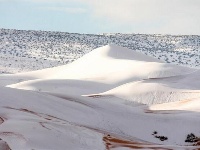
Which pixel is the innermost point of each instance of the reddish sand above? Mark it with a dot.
(4, 145)
(1, 120)
(114, 142)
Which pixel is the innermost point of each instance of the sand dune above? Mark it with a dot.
(109, 65)
(137, 100)
(154, 91)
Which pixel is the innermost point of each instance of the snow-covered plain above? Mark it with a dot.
(111, 98)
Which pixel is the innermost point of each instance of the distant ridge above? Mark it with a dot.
(34, 50)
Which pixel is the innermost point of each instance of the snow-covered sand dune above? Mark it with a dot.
(22, 51)
(111, 98)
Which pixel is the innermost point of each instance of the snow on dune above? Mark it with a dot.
(40, 121)
(110, 65)
(149, 93)
(37, 121)
(187, 104)
(35, 50)
(100, 97)
(116, 64)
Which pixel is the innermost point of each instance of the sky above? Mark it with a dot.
(103, 16)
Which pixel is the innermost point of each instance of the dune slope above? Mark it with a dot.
(111, 94)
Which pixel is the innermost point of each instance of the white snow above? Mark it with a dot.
(111, 92)
(22, 51)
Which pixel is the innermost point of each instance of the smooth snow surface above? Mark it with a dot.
(111, 98)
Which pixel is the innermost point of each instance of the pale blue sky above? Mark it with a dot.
(101, 16)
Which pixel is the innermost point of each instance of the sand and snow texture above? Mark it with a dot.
(111, 98)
